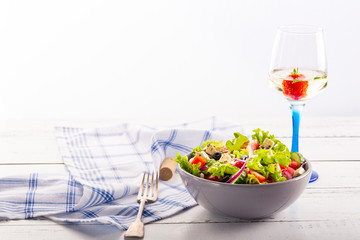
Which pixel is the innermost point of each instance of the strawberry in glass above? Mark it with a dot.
(295, 86)
(298, 84)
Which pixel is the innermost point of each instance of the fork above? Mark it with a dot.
(147, 194)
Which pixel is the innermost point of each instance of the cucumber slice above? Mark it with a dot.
(240, 179)
(297, 157)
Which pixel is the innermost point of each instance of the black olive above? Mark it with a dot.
(225, 178)
(217, 155)
(190, 155)
(244, 157)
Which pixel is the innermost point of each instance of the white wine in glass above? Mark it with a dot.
(298, 70)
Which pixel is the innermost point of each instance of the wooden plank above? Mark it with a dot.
(310, 126)
(331, 230)
(329, 139)
(324, 211)
(58, 231)
(332, 174)
(336, 175)
(316, 211)
(20, 149)
(313, 205)
(328, 148)
(23, 169)
(259, 230)
(332, 197)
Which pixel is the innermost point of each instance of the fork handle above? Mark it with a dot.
(136, 229)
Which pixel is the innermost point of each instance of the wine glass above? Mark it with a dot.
(298, 70)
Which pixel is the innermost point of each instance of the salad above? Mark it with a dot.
(262, 159)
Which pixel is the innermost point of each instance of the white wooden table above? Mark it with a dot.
(328, 209)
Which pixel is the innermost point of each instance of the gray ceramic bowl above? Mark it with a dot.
(246, 201)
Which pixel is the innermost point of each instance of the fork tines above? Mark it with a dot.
(147, 191)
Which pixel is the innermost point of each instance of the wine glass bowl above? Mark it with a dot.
(298, 70)
(309, 84)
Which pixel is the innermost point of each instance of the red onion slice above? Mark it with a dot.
(238, 173)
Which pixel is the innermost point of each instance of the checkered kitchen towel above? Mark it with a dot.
(105, 167)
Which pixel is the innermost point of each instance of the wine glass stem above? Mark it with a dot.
(296, 114)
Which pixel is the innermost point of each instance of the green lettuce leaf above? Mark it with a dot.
(183, 162)
(265, 156)
(282, 158)
(256, 165)
(197, 149)
(270, 169)
(278, 176)
(240, 153)
(237, 154)
(195, 169)
(261, 135)
(219, 169)
(216, 144)
(281, 153)
(280, 147)
(244, 152)
(236, 144)
(210, 162)
(251, 179)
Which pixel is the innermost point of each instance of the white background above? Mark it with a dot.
(165, 59)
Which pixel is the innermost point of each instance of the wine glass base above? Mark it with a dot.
(314, 176)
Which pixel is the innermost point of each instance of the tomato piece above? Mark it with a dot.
(213, 178)
(254, 144)
(197, 160)
(290, 170)
(288, 173)
(294, 164)
(237, 163)
(260, 177)
(282, 166)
